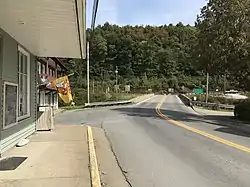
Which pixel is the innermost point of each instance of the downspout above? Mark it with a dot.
(78, 28)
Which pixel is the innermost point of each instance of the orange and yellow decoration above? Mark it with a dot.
(63, 87)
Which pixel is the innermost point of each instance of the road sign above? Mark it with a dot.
(127, 88)
(198, 91)
(170, 90)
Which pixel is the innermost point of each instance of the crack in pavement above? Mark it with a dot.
(124, 173)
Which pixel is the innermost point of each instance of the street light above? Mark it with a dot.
(116, 72)
(207, 81)
(94, 13)
(88, 98)
(207, 84)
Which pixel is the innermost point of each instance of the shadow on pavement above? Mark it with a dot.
(227, 123)
(232, 131)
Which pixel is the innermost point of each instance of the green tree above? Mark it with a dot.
(224, 39)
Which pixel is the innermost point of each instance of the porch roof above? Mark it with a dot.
(47, 28)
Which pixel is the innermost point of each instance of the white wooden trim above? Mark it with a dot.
(13, 139)
(22, 50)
(17, 108)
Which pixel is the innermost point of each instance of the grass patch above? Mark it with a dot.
(115, 97)
(123, 97)
(72, 107)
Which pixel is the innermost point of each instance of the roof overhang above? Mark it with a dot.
(47, 28)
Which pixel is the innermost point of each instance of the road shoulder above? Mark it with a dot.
(110, 172)
(203, 111)
(227, 121)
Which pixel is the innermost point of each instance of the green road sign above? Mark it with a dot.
(198, 91)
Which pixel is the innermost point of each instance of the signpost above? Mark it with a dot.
(198, 91)
(127, 88)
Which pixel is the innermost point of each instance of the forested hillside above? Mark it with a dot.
(146, 57)
(176, 56)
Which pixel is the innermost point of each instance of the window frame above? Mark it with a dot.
(43, 68)
(24, 52)
(4, 104)
(39, 67)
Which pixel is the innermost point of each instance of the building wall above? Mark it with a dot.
(50, 99)
(9, 73)
(1, 86)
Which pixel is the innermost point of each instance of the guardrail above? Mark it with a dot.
(222, 106)
(187, 101)
(124, 102)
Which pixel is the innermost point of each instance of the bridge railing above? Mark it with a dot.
(187, 101)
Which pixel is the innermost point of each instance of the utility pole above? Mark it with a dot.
(225, 83)
(208, 75)
(116, 80)
(207, 87)
(88, 72)
(116, 72)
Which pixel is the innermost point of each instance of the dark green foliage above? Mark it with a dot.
(147, 58)
(223, 40)
(217, 99)
(242, 111)
(170, 56)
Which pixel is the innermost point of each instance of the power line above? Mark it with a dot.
(94, 13)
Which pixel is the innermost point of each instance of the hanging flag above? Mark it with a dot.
(63, 87)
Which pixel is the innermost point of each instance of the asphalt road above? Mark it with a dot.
(157, 152)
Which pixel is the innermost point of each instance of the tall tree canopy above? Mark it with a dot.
(139, 52)
(223, 39)
(178, 56)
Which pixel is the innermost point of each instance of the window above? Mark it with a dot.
(24, 83)
(41, 98)
(47, 99)
(39, 67)
(10, 105)
(43, 69)
(50, 72)
(0, 44)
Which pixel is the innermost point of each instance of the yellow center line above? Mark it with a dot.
(197, 131)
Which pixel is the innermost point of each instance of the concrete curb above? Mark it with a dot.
(94, 170)
(139, 99)
(58, 111)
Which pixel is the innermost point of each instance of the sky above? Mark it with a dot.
(145, 12)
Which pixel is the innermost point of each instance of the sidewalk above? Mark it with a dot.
(60, 158)
(55, 159)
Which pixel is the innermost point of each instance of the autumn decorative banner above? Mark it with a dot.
(63, 87)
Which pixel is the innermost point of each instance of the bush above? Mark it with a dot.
(242, 110)
(216, 107)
